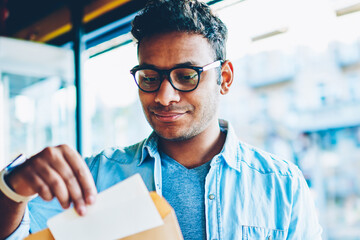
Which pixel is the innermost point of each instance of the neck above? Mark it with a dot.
(196, 151)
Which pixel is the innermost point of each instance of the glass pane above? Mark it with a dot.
(41, 113)
(37, 98)
(113, 114)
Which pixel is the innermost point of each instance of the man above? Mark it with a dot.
(219, 187)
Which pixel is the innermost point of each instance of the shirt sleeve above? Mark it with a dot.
(23, 229)
(304, 222)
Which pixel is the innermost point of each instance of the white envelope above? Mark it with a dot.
(120, 211)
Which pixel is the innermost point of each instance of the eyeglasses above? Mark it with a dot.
(182, 78)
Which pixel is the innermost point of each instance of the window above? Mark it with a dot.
(113, 115)
(36, 98)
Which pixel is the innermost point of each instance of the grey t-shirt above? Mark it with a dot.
(184, 189)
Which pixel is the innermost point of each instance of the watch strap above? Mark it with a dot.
(11, 194)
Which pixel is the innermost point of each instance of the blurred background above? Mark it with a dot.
(296, 91)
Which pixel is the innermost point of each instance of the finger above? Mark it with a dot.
(54, 181)
(28, 183)
(39, 186)
(80, 206)
(60, 165)
(82, 174)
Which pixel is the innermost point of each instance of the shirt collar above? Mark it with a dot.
(229, 152)
(149, 148)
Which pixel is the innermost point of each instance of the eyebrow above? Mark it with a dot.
(183, 64)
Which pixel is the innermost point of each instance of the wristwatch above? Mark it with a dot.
(5, 189)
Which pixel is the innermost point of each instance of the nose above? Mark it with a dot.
(167, 95)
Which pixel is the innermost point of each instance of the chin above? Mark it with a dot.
(178, 139)
(175, 136)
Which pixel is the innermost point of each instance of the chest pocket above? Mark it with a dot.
(258, 233)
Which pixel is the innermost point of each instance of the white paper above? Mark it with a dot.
(122, 210)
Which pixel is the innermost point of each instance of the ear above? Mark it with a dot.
(227, 77)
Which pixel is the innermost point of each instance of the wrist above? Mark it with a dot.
(6, 189)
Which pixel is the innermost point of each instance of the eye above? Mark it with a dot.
(147, 75)
(188, 79)
(149, 79)
(149, 82)
(185, 76)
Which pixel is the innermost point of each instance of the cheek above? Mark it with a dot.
(207, 92)
(144, 100)
(209, 98)
(144, 97)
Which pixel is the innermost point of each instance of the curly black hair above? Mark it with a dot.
(191, 16)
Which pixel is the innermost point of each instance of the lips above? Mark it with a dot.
(168, 116)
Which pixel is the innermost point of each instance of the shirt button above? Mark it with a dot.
(211, 196)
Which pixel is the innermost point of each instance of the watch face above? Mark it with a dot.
(16, 162)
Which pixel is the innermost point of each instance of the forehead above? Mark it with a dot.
(168, 49)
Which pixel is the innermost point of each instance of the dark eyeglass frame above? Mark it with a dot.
(166, 72)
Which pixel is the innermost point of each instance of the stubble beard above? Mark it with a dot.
(208, 112)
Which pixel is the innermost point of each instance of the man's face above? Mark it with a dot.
(176, 115)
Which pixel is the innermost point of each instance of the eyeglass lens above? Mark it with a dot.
(184, 79)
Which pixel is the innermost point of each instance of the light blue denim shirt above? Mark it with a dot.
(249, 194)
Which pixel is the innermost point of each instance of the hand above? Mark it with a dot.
(56, 172)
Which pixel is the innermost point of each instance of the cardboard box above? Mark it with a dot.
(169, 231)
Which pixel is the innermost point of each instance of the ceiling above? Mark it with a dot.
(25, 15)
